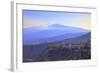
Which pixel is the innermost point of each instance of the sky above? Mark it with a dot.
(33, 18)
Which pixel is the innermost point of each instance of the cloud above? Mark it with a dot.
(34, 23)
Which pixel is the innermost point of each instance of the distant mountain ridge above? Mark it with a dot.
(57, 26)
(54, 32)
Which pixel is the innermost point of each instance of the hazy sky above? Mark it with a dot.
(32, 18)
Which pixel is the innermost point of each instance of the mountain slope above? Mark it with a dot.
(54, 32)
